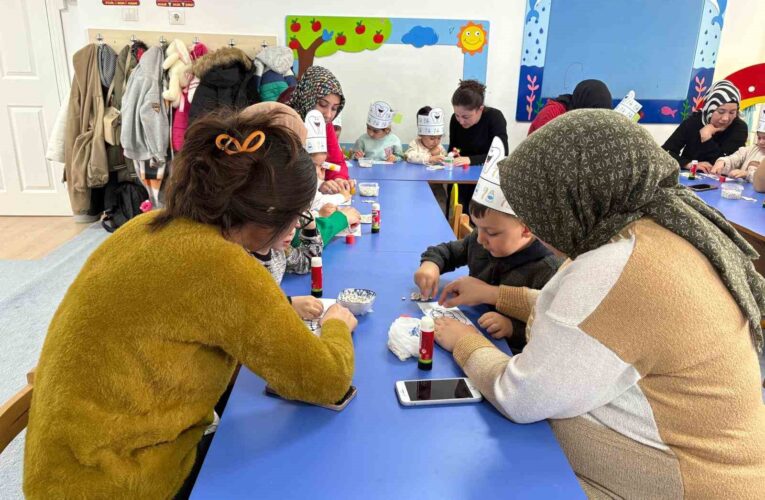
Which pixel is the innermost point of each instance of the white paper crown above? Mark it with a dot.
(380, 115)
(338, 121)
(629, 107)
(488, 191)
(432, 124)
(761, 124)
(316, 140)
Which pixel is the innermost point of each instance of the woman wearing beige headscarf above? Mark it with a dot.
(642, 348)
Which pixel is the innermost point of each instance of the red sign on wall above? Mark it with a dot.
(122, 3)
(175, 3)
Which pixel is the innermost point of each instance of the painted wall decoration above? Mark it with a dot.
(751, 83)
(669, 64)
(321, 36)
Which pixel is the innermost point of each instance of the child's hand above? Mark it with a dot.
(392, 158)
(358, 154)
(468, 291)
(461, 161)
(353, 215)
(436, 159)
(498, 326)
(737, 174)
(307, 307)
(718, 167)
(346, 195)
(426, 278)
(327, 210)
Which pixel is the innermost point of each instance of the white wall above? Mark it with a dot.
(742, 42)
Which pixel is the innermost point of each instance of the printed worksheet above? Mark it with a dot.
(434, 310)
(313, 324)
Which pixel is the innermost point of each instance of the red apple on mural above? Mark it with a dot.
(360, 28)
(315, 25)
(294, 44)
(341, 39)
(295, 26)
(378, 38)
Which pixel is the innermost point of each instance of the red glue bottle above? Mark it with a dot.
(427, 339)
(316, 277)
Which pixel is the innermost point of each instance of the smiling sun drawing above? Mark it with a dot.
(471, 38)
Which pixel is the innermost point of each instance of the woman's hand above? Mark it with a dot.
(308, 307)
(426, 278)
(705, 166)
(498, 326)
(449, 331)
(461, 161)
(468, 291)
(336, 311)
(345, 184)
(707, 131)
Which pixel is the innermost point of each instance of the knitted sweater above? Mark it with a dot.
(651, 392)
(122, 396)
(379, 149)
(550, 111)
(418, 153)
(296, 260)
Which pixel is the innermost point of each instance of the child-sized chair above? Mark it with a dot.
(464, 228)
(14, 414)
(454, 220)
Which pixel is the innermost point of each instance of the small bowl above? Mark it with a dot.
(369, 188)
(732, 190)
(365, 162)
(357, 300)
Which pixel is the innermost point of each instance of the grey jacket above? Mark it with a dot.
(145, 122)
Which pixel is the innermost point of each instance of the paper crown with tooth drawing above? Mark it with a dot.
(488, 191)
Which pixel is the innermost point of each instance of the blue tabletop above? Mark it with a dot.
(403, 171)
(749, 216)
(376, 448)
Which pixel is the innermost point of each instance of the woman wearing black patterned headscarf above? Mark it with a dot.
(711, 133)
(642, 348)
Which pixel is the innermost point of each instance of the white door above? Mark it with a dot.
(29, 101)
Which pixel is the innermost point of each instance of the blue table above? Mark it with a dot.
(747, 216)
(403, 171)
(270, 448)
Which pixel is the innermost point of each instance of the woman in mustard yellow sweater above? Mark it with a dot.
(147, 337)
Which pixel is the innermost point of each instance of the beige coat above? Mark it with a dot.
(85, 164)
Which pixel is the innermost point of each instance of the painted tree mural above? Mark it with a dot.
(318, 36)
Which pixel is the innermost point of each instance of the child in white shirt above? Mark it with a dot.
(427, 148)
(744, 162)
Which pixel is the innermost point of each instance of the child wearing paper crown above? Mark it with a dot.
(745, 162)
(427, 147)
(501, 252)
(378, 143)
(316, 145)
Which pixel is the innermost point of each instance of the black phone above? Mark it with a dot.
(339, 406)
(702, 187)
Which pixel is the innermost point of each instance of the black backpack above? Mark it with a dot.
(122, 202)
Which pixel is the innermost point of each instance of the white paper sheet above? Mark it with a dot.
(434, 310)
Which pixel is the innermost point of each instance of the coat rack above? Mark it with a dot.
(250, 44)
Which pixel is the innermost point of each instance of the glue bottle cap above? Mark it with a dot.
(315, 261)
(426, 324)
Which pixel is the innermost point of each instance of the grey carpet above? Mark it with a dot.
(30, 292)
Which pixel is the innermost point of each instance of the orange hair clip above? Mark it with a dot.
(232, 146)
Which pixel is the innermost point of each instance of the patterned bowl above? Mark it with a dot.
(357, 300)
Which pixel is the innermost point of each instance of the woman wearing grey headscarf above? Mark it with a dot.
(642, 348)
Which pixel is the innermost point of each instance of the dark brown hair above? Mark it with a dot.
(478, 210)
(424, 111)
(270, 187)
(469, 94)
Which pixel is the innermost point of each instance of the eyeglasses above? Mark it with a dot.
(305, 219)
